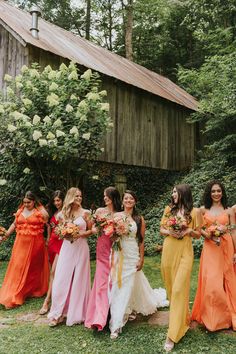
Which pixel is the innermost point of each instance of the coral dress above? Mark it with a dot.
(55, 243)
(27, 274)
(135, 293)
(176, 267)
(98, 305)
(71, 284)
(215, 301)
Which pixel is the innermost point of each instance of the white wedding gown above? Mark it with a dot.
(135, 293)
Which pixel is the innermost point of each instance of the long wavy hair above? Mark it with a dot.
(207, 200)
(135, 215)
(50, 206)
(31, 196)
(114, 195)
(185, 201)
(68, 202)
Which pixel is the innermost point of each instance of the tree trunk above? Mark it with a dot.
(88, 19)
(129, 30)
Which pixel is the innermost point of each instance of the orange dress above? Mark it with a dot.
(215, 301)
(27, 274)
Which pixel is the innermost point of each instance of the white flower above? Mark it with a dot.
(26, 171)
(74, 130)
(57, 123)
(3, 182)
(28, 124)
(43, 142)
(47, 120)
(53, 100)
(36, 119)
(87, 75)
(11, 128)
(102, 149)
(83, 104)
(18, 78)
(42, 188)
(110, 125)
(10, 92)
(63, 67)
(86, 136)
(105, 106)
(47, 69)
(34, 73)
(52, 75)
(73, 76)
(1, 109)
(24, 68)
(58, 75)
(28, 153)
(16, 115)
(19, 85)
(53, 86)
(83, 118)
(95, 177)
(92, 96)
(103, 93)
(36, 135)
(73, 97)
(59, 133)
(29, 84)
(50, 136)
(8, 78)
(26, 102)
(69, 108)
(52, 142)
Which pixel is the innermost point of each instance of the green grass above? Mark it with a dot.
(137, 337)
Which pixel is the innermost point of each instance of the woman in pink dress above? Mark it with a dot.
(98, 307)
(71, 284)
(54, 243)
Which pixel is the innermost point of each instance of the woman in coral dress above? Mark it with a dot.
(98, 307)
(215, 301)
(180, 222)
(71, 284)
(54, 243)
(131, 292)
(28, 270)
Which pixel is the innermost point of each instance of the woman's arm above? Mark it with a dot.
(141, 245)
(90, 229)
(233, 231)
(44, 213)
(9, 231)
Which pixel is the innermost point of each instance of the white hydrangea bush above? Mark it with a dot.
(54, 115)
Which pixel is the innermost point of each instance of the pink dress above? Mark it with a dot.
(71, 285)
(98, 307)
(54, 244)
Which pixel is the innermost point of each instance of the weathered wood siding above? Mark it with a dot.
(148, 130)
(13, 55)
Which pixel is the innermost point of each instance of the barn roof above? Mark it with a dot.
(68, 45)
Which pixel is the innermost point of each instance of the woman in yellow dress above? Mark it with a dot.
(180, 222)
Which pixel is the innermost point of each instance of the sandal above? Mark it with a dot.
(169, 345)
(53, 323)
(43, 310)
(132, 316)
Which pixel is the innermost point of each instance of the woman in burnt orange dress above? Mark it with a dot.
(215, 301)
(28, 270)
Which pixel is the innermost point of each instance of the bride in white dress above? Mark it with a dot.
(131, 292)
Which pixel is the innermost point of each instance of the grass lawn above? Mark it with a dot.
(29, 335)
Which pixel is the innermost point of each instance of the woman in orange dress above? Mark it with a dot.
(215, 301)
(27, 274)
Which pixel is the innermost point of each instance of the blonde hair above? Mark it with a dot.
(69, 200)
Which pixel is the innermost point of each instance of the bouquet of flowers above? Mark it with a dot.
(3, 232)
(103, 223)
(121, 228)
(216, 230)
(176, 223)
(67, 231)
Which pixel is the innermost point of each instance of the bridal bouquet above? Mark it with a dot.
(103, 223)
(121, 227)
(216, 230)
(2, 233)
(67, 231)
(176, 223)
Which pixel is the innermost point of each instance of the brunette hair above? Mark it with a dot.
(135, 215)
(114, 195)
(69, 200)
(50, 206)
(31, 196)
(185, 201)
(207, 200)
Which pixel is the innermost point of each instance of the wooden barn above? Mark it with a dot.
(148, 110)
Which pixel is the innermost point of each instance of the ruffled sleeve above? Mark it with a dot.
(197, 220)
(165, 216)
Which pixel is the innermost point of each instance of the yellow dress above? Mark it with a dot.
(176, 267)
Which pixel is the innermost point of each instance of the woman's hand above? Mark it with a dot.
(173, 233)
(139, 266)
(185, 232)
